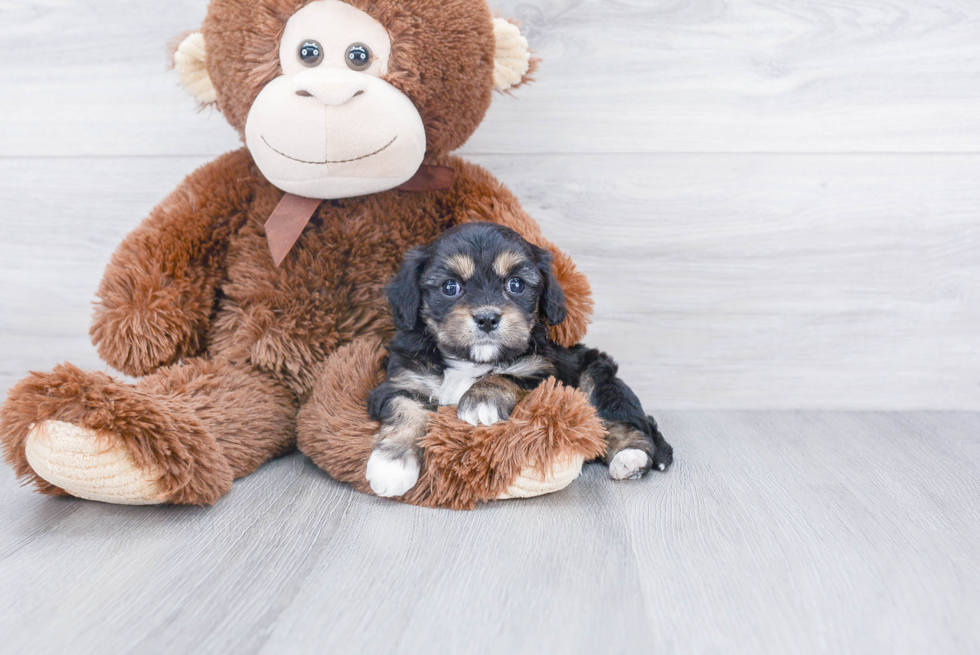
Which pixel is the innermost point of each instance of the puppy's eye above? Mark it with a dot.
(359, 57)
(451, 288)
(515, 285)
(310, 53)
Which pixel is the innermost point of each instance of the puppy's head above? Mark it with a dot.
(479, 290)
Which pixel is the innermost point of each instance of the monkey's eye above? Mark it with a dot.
(515, 285)
(310, 53)
(359, 57)
(451, 288)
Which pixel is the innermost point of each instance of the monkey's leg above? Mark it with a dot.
(178, 436)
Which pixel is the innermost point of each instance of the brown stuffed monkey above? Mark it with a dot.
(250, 302)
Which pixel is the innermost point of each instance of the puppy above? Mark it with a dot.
(472, 312)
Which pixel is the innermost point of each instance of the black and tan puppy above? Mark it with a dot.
(472, 311)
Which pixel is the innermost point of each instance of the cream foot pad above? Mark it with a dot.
(91, 465)
(534, 482)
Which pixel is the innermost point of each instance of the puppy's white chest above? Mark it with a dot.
(457, 378)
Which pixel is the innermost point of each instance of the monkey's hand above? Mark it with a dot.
(158, 292)
(490, 400)
(144, 319)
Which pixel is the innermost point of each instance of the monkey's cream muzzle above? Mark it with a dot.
(332, 133)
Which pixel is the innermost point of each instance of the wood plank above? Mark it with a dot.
(812, 532)
(771, 534)
(626, 76)
(721, 281)
(551, 575)
(225, 571)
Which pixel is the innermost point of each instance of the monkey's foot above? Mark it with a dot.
(90, 464)
(536, 482)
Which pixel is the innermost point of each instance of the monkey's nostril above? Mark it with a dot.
(304, 94)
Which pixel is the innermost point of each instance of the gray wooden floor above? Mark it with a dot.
(777, 202)
(777, 532)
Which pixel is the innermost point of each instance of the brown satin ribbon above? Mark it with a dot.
(293, 212)
(429, 178)
(287, 222)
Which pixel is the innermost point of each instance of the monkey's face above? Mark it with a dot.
(330, 126)
(339, 98)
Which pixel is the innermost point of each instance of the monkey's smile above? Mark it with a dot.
(321, 163)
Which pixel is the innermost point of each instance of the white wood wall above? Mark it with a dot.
(777, 201)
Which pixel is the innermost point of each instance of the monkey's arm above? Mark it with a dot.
(157, 293)
(479, 196)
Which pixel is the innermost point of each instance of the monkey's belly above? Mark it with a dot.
(287, 321)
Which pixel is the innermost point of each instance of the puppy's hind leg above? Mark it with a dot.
(630, 453)
(635, 442)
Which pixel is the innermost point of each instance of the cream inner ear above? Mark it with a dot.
(190, 61)
(512, 59)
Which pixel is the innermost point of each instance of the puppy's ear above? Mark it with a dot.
(552, 297)
(404, 292)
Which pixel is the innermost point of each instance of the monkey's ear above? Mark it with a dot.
(512, 63)
(553, 307)
(405, 291)
(190, 60)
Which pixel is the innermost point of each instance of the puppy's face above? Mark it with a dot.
(480, 300)
(480, 289)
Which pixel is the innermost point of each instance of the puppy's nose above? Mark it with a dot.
(487, 320)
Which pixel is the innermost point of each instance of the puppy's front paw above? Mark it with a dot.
(480, 413)
(487, 402)
(629, 464)
(391, 474)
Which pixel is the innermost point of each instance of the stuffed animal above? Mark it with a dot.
(250, 303)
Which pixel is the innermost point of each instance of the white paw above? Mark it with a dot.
(391, 477)
(628, 464)
(480, 414)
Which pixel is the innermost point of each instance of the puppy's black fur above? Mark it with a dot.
(472, 312)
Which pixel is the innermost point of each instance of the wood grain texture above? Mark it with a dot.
(735, 279)
(721, 280)
(90, 78)
(771, 534)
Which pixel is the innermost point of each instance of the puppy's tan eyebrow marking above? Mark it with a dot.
(462, 265)
(507, 261)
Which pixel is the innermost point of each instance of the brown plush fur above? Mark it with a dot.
(195, 289)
